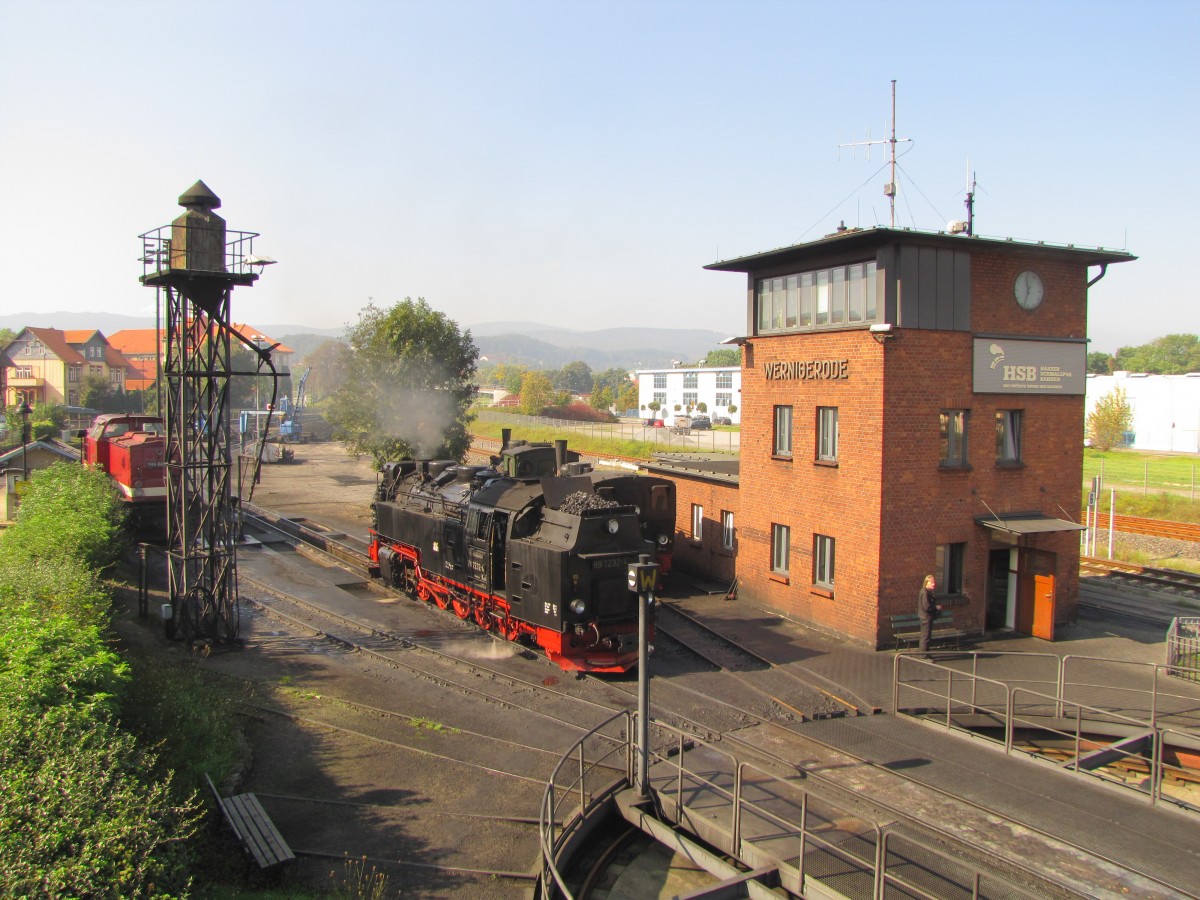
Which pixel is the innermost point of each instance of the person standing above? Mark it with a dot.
(927, 610)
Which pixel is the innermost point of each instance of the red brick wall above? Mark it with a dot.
(705, 558)
(842, 502)
(887, 503)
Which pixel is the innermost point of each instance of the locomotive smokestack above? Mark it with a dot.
(560, 454)
(505, 437)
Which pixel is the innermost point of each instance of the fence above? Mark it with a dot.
(1183, 648)
(664, 439)
(1073, 699)
(1171, 476)
(819, 846)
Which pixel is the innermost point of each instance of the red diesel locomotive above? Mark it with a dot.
(131, 448)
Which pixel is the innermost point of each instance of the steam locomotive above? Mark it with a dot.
(535, 547)
(132, 448)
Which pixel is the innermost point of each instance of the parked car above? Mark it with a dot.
(722, 420)
(653, 423)
(701, 423)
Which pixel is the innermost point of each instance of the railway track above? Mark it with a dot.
(1179, 531)
(710, 711)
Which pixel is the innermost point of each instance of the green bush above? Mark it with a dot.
(70, 514)
(77, 818)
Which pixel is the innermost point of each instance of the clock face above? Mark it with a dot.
(1028, 290)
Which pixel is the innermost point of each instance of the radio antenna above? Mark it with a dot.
(889, 189)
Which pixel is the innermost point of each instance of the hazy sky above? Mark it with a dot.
(577, 163)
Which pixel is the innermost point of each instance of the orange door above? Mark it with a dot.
(1039, 565)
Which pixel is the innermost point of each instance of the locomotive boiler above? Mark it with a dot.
(535, 548)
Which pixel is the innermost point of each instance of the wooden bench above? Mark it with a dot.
(906, 629)
(253, 828)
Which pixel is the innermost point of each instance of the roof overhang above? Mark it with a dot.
(1025, 523)
(866, 241)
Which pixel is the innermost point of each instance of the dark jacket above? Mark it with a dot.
(927, 607)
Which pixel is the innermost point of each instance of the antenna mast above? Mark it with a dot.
(889, 189)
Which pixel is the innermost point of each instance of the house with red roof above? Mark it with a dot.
(48, 366)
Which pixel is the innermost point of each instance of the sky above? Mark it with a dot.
(576, 163)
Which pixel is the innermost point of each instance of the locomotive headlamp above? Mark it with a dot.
(578, 607)
(662, 540)
(613, 525)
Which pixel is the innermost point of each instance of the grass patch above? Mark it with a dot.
(591, 438)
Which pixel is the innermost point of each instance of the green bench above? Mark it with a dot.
(253, 828)
(906, 629)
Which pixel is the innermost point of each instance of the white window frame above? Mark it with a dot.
(697, 522)
(950, 561)
(781, 550)
(827, 433)
(824, 553)
(727, 532)
(781, 443)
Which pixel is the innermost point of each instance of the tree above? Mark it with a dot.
(575, 377)
(95, 392)
(1109, 420)
(408, 387)
(537, 392)
(613, 378)
(1099, 364)
(330, 364)
(628, 397)
(726, 356)
(602, 399)
(1172, 354)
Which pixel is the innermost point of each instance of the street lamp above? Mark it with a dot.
(23, 411)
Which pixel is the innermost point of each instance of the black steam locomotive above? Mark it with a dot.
(535, 547)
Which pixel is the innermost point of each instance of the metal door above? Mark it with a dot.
(1036, 592)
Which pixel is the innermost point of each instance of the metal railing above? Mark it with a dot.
(752, 807)
(1145, 721)
(1183, 647)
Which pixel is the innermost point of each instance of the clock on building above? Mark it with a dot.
(1028, 290)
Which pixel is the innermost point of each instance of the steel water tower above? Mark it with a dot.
(195, 263)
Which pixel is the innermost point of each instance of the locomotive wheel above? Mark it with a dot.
(483, 618)
(462, 608)
(509, 628)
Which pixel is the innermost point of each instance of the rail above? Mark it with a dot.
(756, 814)
(1148, 722)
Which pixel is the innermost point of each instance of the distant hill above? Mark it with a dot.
(524, 343)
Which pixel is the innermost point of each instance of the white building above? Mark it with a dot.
(718, 389)
(1166, 408)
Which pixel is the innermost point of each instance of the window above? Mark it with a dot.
(1008, 435)
(697, 521)
(948, 562)
(823, 560)
(827, 433)
(954, 437)
(691, 380)
(725, 381)
(726, 529)
(72, 373)
(783, 431)
(96, 370)
(781, 536)
(831, 297)
(690, 398)
(24, 371)
(660, 380)
(660, 397)
(723, 400)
